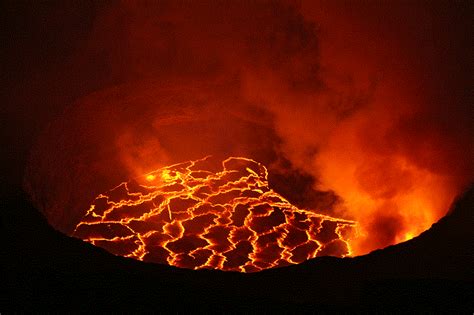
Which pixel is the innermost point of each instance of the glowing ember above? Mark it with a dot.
(203, 214)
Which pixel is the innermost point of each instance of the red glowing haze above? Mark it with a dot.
(365, 102)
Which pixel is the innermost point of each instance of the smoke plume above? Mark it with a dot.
(360, 110)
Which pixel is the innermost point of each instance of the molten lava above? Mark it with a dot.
(207, 214)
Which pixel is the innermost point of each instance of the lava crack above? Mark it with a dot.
(207, 214)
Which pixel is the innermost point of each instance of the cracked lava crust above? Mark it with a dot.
(210, 214)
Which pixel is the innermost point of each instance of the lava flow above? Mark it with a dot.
(207, 214)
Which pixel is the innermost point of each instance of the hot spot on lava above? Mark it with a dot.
(210, 214)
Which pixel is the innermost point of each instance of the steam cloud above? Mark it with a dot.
(375, 125)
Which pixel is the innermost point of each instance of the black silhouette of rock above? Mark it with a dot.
(45, 270)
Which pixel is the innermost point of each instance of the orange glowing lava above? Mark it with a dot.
(208, 214)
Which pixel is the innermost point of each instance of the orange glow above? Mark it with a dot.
(150, 177)
(391, 197)
(358, 109)
(203, 214)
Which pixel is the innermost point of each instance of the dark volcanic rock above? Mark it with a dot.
(46, 270)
